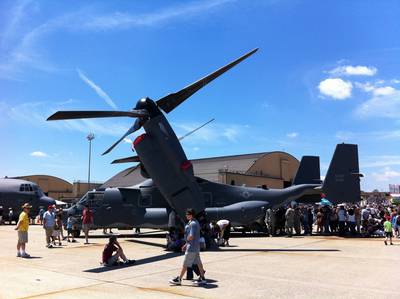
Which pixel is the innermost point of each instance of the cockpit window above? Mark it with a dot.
(92, 199)
(83, 200)
(26, 188)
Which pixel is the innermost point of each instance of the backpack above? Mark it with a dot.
(398, 220)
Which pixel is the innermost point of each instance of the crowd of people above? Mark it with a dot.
(327, 219)
(295, 219)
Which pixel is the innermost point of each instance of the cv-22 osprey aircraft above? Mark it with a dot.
(162, 159)
(144, 206)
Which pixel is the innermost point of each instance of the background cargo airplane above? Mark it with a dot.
(173, 186)
(14, 193)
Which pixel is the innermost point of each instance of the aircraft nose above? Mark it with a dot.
(47, 201)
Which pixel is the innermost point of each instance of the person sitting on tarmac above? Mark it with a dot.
(110, 259)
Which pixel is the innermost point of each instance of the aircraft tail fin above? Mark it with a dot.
(308, 171)
(342, 181)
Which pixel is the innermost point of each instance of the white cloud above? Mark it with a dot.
(38, 154)
(380, 161)
(214, 133)
(292, 135)
(381, 105)
(100, 92)
(367, 87)
(384, 91)
(118, 20)
(336, 88)
(395, 81)
(386, 175)
(127, 140)
(24, 49)
(35, 114)
(231, 134)
(349, 70)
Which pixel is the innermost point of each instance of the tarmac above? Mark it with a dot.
(252, 267)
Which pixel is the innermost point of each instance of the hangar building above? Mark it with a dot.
(271, 169)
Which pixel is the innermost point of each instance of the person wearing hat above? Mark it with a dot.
(22, 228)
(49, 220)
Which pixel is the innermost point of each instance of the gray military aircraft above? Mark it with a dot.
(173, 187)
(14, 193)
(144, 206)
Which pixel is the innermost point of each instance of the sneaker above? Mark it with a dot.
(199, 281)
(49, 246)
(18, 254)
(25, 255)
(176, 281)
(129, 262)
(391, 243)
(74, 241)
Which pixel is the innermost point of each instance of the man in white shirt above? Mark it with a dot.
(49, 220)
(224, 231)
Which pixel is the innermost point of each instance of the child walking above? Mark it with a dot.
(388, 231)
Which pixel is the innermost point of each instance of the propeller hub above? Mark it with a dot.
(149, 105)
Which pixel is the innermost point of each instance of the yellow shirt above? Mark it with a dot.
(24, 222)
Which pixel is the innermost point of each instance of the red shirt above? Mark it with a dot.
(108, 251)
(87, 217)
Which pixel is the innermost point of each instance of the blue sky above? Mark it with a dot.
(326, 72)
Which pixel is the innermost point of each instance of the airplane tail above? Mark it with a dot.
(342, 181)
(308, 171)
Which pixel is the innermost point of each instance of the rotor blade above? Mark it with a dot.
(96, 114)
(132, 170)
(136, 126)
(126, 160)
(171, 101)
(198, 128)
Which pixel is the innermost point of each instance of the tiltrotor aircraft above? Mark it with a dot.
(143, 205)
(173, 187)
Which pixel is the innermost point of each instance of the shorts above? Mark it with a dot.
(112, 260)
(86, 226)
(22, 237)
(191, 258)
(388, 234)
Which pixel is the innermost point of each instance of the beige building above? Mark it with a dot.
(271, 169)
(60, 189)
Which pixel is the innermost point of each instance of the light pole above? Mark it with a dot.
(89, 137)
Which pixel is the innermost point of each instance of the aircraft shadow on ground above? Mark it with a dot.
(147, 243)
(147, 260)
(234, 248)
(278, 250)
